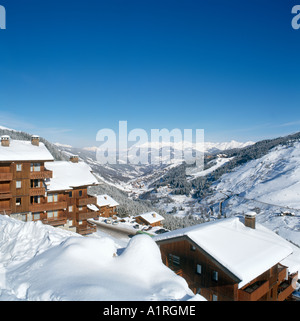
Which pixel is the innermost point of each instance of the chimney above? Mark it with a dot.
(74, 159)
(154, 214)
(35, 140)
(5, 140)
(250, 218)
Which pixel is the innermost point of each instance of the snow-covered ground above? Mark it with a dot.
(39, 262)
(269, 185)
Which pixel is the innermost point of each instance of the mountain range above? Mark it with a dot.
(238, 177)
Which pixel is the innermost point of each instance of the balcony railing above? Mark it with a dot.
(37, 191)
(4, 177)
(85, 215)
(41, 175)
(86, 200)
(86, 229)
(254, 291)
(5, 195)
(62, 220)
(287, 287)
(47, 206)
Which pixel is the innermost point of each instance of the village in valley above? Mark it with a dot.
(230, 259)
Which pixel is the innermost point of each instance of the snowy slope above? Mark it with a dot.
(269, 185)
(39, 262)
(274, 178)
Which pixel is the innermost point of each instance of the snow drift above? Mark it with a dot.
(39, 262)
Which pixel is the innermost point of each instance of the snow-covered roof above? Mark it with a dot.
(20, 150)
(67, 175)
(244, 251)
(106, 200)
(151, 217)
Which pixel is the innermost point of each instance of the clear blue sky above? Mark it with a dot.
(70, 68)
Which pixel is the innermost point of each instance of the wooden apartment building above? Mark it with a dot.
(227, 260)
(34, 187)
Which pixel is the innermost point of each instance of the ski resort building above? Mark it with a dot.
(34, 187)
(106, 205)
(150, 218)
(232, 260)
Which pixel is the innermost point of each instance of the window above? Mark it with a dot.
(70, 194)
(80, 222)
(52, 198)
(193, 248)
(50, 214)
(214, 297)
(71, 208)
(55, 214)
(18, 184)
(80, 208)
(19, 167)
(215, 275)
(36, 216)
(80, 193)
(35, 167)
(199, 269)
(18, 201)
(35, 183)
(35, 199)
(173, 259)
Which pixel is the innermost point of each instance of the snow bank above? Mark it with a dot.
(39, 262)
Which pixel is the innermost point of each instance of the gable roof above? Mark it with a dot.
(21, 150)
(106, 200)
(151, 217)
(67, 175)
(243, 251)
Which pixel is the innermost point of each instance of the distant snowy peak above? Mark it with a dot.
(62, 145)
(208, 147)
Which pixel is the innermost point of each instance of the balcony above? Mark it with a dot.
(81, 216)
(5, 177)
(37, 191)
(47, 207)
(254, 291)
(86, 229)
(62, 220)
(41, 175)
(287, 287)
(5, 195)
(86, 200)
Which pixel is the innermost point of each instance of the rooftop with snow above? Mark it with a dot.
(243, 251)
(67, 175)
(20, 150)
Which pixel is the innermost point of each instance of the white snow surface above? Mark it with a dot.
(273, 178)
(67, 175)
(40, 262)
(20, 150)
(106, 200)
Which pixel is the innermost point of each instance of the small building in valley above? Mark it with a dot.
(149, 218)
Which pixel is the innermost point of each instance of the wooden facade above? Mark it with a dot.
(209, 278)
(107, 210)
(23, 194)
